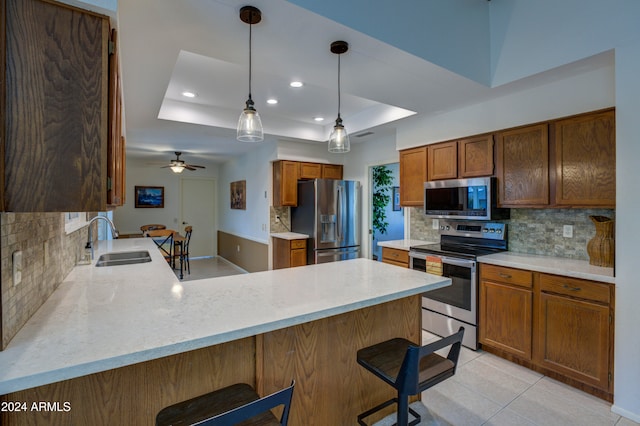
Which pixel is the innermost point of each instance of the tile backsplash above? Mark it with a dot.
(533, 231)
(48, 255)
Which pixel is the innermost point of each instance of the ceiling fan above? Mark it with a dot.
(178, 165)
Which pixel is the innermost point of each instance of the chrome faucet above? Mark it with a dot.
(114, 232)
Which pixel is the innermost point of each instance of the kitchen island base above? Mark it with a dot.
(320, 355)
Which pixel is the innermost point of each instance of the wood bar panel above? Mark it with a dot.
(134, 394)
(331, 388)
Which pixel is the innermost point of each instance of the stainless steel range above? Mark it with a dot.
(447, 308)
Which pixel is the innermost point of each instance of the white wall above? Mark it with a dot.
(627, 345)
(254, 168)
(128, 219)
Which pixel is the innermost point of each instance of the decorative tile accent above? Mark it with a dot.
(48, 255)
(533, 231)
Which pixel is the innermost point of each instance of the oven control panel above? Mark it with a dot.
(486, 230)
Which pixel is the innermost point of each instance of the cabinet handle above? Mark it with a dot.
(394, 254)
(503, 275)
(568, 287)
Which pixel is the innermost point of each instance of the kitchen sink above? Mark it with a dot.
(124, 258)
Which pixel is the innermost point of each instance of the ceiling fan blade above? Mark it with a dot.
(199, 167)
(188, 167)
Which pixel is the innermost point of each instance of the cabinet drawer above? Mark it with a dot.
(395, 255)
(298, 244)
(502, 274)
(590, 290)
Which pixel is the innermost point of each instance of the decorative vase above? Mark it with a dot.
(601, 248)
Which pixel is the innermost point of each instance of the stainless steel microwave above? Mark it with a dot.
(473, 198)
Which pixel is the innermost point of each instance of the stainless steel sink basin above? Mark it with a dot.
(124, 258)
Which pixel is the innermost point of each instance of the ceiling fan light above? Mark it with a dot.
(250, 125)
(339, 139)
(177, 168)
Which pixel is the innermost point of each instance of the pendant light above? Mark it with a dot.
(339, 139)
(249, 124)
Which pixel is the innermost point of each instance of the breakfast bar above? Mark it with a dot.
(114, 345)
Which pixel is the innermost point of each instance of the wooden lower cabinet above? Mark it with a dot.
(396, 257)
(506, 303)
(560, 326)
(575, 330)
(289, 253)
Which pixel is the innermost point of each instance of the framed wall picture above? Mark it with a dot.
(396, 198)
(150, 197)
(238, 191)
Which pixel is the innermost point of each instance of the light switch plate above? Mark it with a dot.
(17, 268)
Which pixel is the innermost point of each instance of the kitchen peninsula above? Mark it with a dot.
(120, 343)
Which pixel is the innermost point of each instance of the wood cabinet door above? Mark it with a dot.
(475, 156)
(523, 167)
(56, 107)
(442, 161)
(573, 339)
(116, 153)
(310, 171)
(505, 320)
(585, 164)
(298, 257)
(332, 171)
(413, 175)
(285, 183)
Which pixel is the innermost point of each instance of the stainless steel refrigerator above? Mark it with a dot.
(329, 212)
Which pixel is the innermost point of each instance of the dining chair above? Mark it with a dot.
(151, 227)
(163, 238)
(185, 247)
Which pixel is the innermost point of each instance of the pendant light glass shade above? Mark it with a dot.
(177, 169)
(339, 138)
(249, 123)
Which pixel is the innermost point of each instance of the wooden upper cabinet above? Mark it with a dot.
(310, 171)
(285, 183)
(413, 174)
(55, 113)
(442, 161)
(332, 171)
(116, 153)
(522, 166)
(475, 156)
(585, 160)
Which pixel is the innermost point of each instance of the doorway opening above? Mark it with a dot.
(387, 216)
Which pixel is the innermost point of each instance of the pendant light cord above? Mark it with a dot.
(250, 25)
(339, 86)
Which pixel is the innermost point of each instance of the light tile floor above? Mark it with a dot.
(486, 390)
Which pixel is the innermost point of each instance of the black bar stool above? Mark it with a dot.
(229, 406)
(410, 369)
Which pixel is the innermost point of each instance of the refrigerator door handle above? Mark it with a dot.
(339, 211)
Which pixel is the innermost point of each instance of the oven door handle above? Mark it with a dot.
(464, 263)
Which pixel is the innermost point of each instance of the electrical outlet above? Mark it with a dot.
(238, 248)
(277, 219)
(567, 231)
(17, 267)
(435, 224)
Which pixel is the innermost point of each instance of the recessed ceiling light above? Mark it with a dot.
(188, 94)
(272, 101)
(296, 84)
(318, 118)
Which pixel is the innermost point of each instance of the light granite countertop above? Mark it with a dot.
(108, 317)
(289, 235)
(552, 265)
(405, 244)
